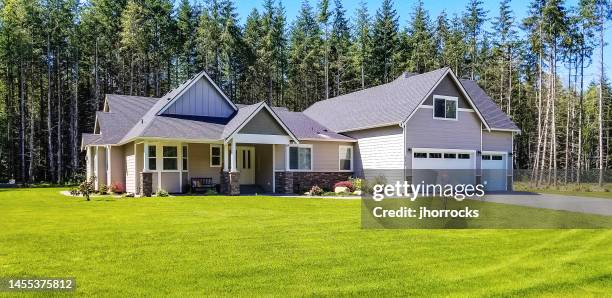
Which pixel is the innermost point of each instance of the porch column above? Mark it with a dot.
(225, 157)
(233, 155)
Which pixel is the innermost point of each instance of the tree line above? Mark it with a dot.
(58, 58)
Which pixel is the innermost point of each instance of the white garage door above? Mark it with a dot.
(494, 171)
(439, 166)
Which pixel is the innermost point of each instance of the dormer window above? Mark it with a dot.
(445, 107)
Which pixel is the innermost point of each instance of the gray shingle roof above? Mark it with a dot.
(391, 104)
(91, 139)
(304, 127)
(494, 116)
(385, 104)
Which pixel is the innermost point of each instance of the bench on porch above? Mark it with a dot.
(202, 184)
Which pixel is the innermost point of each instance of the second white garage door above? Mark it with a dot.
(494, 171)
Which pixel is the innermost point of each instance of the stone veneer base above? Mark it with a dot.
(299, 182)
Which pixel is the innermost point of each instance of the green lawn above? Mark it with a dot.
(591, 190)
(244, 246)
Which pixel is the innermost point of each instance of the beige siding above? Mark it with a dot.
(263, 166)
(199, 163)
(100, 166)
(117, 174)
(325, 155)
(130, 168)
(170, 181)
(279, 157)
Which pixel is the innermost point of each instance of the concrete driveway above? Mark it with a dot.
(553, 201)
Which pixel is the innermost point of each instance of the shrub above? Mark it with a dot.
(86, 188)
(357, 183)
(103, 189)
(348, 184)
(162, 193)
(116, 188)
(316, 191)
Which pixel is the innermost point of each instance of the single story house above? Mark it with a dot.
(416, 122)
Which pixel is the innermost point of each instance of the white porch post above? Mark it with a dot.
(225, 157)
(233, 155)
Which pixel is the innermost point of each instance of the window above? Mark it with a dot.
(152, 158)
(420, 155)
(450, 155)
(215, 156)
(300, 157)
(463, 156)
(435, 155)
(346, 158)
(496, 157)
(185, 165)
(445, 108)
(486, 157)
(170, 157)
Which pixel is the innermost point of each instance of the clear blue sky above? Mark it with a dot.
(405, 7)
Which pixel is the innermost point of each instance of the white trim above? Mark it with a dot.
(108, 166)
(262, 105)
(287, 160)
(225, 158)
(495, 152)
(328, 140)
(233, 157)
(273, 168)
(186, 87)
(176, 146)
(506, 129)
(372, 127)
(262, 139)
(340, 147)
(210, 155)
(443, 150)
(445, 98)
(465, 94)
(458, 109)
(184, 157)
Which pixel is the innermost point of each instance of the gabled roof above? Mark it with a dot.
(495, 117)
(383, 105)
(176, 93)
(305, 128)
(245, 114)
(393, 103)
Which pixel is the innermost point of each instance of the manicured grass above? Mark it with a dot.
(245, 246)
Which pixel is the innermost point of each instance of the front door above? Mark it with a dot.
(246, 164)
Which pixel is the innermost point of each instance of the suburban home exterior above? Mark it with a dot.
(418, 121)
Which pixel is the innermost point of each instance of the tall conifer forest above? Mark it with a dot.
(58, 59)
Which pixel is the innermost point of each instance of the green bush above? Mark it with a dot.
(103, 189)
(86, 188)
(357, 183)
(162, 193)
(211, 192)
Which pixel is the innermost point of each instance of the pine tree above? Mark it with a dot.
(473, 20)
(361, 48)
(385, 42)
(421, 41)
(339, 53)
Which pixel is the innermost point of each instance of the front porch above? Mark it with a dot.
(172, 165)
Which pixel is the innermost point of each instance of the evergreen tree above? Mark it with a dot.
(361, 48)
(385, 42)
(339, 56)
(473, 20)
(421, 41)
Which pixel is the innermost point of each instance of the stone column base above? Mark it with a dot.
(146, 184)
(230, 183)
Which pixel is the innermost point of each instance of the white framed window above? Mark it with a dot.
(299, 157)
(445, 107)
(185, 158)
(151, 157)
(170, 158)
(345, 158)
(215, 156)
